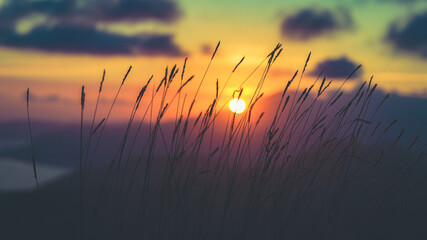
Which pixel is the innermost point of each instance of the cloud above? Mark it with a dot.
(12, 12)
(336, 68)
(134, 10)
(84, 39)
(410, 37)
(309, 23)
(70, 26)
(51, 98)
(94, 10)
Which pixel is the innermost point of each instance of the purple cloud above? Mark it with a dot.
(411, 37)
(309, 23)
(71, 27)
(336, 68)
(83, 39)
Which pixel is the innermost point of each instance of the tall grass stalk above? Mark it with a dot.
(33, 158)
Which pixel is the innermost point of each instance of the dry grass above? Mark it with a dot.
(314, 169)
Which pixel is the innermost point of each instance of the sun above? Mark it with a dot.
(237, 105)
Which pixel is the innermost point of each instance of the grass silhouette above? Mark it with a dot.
(313, 169)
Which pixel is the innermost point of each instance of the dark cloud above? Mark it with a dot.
(82, 39)
(410, 37)
(70, 26)
(93, 10)
(14, 10)
(336, 68)
(309, 23)
(136, 10)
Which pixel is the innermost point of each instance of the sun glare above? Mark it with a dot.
(237, 105)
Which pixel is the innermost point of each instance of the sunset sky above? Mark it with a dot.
(55, 46)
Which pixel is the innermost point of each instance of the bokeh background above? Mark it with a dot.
(54, 47)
